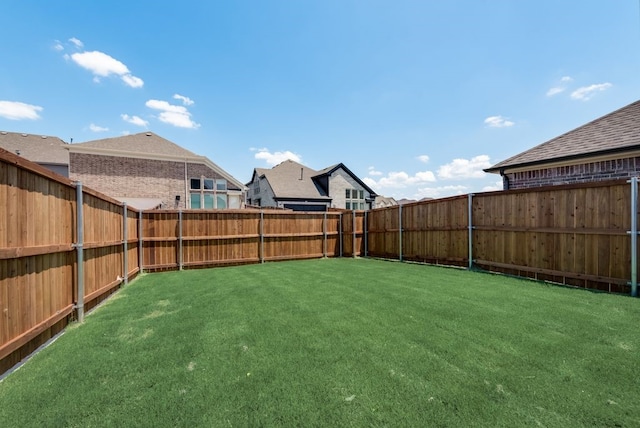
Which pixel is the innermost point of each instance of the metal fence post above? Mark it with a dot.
(80, 251)
(140, 244)
(125, 244)
(366, 234)
(353, 241)
(634, 236)
(340, 234)
(470, 263)
(180, 239)
(400, 232)
(261, 236)
(324, 233)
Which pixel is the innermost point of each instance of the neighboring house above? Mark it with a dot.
(604, 149)
(148, 171)
(49, 152)
(384, 202)
(300, 188)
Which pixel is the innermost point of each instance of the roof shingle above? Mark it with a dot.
(616, 131)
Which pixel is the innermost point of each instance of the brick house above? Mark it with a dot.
(148, 171)
(604, 149)
(294, 186)
(47, 151)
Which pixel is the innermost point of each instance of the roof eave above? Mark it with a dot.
(501, 168)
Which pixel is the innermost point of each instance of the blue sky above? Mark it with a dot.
(415, 97)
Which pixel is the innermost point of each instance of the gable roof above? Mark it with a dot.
(331, 169)
(41, 149)
(290, 179)
(147, 145)
(615, 132)
(143, 142)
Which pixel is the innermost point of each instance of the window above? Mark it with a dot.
(195, 201)
(354, 199)
(208, 201)
(208, 193)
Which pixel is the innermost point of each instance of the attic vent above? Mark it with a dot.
(24, 135)
(3, 132)
(148, 134)
(44, 137)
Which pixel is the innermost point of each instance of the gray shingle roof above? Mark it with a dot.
(615, 132)
(144, 142)
(290, 179)
(36, 148)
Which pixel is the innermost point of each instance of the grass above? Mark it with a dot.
(337, 342)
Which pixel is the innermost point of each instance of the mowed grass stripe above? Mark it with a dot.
(338, 342)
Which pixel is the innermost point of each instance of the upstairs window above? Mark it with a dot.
(208, 193)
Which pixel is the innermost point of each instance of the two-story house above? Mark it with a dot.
(297, 187)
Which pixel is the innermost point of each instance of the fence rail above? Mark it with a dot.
(55, 263)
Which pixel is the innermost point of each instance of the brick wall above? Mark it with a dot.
(592, 171)
(136, 178)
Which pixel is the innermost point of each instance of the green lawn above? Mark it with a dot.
(338, 342)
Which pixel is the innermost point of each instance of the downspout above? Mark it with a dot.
(187, 197)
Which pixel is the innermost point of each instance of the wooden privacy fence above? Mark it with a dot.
(42, 240)
(64, 248)
(179, 239)
(579, 235)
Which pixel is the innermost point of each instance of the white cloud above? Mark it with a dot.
(498, 122)
(276, 157)
(460, 169)
(561, 87)
(185, 100)
(423, 158)
(58, 46)
(133, 81)
(14, 110)
(400, 179)
(555, 91)
(134, 120)
(172, 114)
(96, 128)
(373, 172)
(439, 192)
(103, 65)
(76, 42)
(585, 93)
(493, 188)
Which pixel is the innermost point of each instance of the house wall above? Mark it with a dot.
(582, 173)
(260, 189)
(339, 181)
(138, 178)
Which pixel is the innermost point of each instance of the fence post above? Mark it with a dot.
(261, 236)
(470, 200)
(353, 241)
(400, 232)
(634, 236)
(366, 234)
(324, 237)
(125, 244)
(140, 245)
(340, 234)
(80, 251)
(180, 239)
